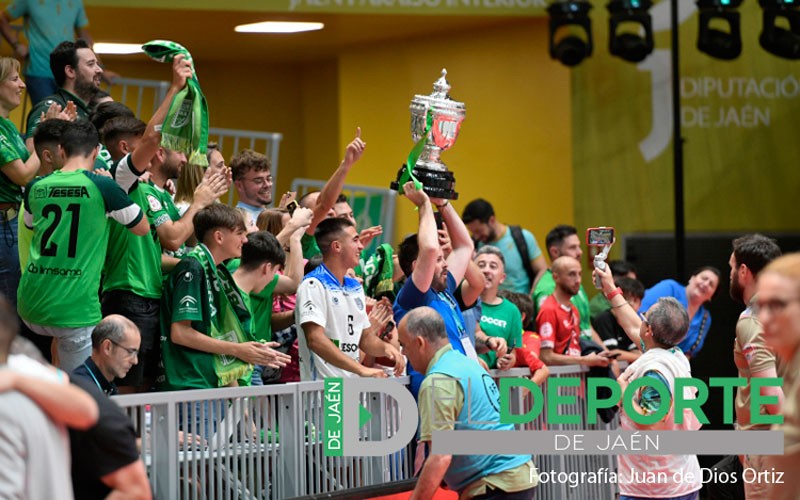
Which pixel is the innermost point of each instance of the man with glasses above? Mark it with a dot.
(253, 181)
(105, 459)
(115, 349)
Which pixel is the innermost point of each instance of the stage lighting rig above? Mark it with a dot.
(570, 31)
(630, 29)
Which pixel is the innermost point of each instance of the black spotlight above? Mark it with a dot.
(716, 42)
(627, 16)
(570, 31)
(776, 39)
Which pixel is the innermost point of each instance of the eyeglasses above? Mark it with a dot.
(644, 319)
(774, 306)
(131, 351)
(260, 181)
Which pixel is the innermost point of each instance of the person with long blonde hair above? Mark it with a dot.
(17, 168)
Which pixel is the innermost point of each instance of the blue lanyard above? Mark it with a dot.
(97, 382)
(454, 313)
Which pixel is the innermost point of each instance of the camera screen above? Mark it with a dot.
(600, 236)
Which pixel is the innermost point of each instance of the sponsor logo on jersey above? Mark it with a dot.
(68, 192)
(335, 301)
(546, 330)
(153, 202)
(188, 276)
(308, 306)
(494, 321)
(359, 304)
(54, 271)
(188, 304)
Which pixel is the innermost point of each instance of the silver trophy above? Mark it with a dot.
(441, 116)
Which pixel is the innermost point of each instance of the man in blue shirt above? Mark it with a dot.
(432, 279)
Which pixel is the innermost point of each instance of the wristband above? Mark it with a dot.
(440, 207)
(613, 293)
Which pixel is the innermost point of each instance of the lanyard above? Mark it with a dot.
(453, 310)
(97, 382)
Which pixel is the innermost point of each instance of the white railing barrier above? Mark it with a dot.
(265, 442)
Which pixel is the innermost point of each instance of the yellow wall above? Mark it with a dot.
(514, 148)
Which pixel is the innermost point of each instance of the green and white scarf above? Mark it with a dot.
(226, 308)
(185, 128)
(377, 273)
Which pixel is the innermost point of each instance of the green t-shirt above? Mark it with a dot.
(70, 213)
(186, 298)
(546, 286)
(12, 147)
(598, 304)
(133, 263)
(309, 245)
(502, 320)
(161, 210)
(260, 307)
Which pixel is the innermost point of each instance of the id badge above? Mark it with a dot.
(469, 349)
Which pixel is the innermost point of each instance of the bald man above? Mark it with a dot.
(425, 342)
(115, 350)
(558, 321)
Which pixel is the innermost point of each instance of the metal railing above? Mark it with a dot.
(266, 443)
(146, 95)
(363, 200)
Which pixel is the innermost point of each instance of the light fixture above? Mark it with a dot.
(776, 39)
(570, 31)
(630, 29)
(716, 42)
(117, 48)
(278, 27)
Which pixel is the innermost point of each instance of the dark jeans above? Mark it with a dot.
(144, 313)
(9, 260)
(39, 87)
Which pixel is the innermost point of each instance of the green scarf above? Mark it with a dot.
(185, 128)
(224, 323)
(377, 273)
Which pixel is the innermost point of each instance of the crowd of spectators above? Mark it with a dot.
(131, 276)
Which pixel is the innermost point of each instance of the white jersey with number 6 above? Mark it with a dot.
(340, 310)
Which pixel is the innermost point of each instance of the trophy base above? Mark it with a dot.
(437, 183)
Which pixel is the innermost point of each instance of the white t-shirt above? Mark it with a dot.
(340, 309)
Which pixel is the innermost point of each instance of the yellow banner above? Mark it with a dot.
(739, 120)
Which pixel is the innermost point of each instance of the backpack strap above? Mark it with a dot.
(522, 248)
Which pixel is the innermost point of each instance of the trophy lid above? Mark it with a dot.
(441, 87)
(439, 98)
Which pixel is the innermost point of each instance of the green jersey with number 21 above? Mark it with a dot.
(70, 214)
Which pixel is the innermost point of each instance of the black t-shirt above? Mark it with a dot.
(614, 337)
(103, 449)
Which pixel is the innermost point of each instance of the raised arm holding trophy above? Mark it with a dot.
(435, 123)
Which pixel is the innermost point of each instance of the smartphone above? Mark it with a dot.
(387, 329)
(439, 222)
(291, 207)
(599, 236)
